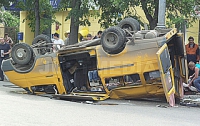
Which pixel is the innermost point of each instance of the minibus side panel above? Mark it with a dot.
(44, 73)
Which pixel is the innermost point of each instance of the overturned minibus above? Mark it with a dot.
(130, 64)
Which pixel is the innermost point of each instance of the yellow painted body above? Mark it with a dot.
(137, 58)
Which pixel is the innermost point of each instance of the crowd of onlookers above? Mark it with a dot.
(58, 42)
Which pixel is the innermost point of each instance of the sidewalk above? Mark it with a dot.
(191, 100)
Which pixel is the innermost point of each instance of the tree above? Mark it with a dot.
(176, 11)
(41, 15)
(78, 14)
(9, 19)
(37, 17)
(112, 11)
(6, 3)
(74, 26)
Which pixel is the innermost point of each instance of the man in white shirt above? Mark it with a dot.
(58, 43)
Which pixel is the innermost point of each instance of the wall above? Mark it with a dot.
(65, 25)
(1, 30)
(27, 34)
(193, 31)
(93, 29)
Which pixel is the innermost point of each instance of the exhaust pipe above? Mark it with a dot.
(161, 14)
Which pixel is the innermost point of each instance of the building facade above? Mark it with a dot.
(28, 36)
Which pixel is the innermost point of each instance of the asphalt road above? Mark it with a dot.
(18, 109)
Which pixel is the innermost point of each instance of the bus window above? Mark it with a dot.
(132, 80)
(122, 81)
(114, 82)
(152, 77)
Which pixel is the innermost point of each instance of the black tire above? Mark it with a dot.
(113, 40)
(41, 38)
(129, 23)
(22, 53)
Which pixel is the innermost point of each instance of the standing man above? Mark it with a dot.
(8, 39)
(58, 43)
(192, 51)
(67, 38)
(5, 51)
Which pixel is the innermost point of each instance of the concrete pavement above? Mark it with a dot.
(18, 109)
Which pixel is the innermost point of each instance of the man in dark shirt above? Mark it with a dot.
(5, 51)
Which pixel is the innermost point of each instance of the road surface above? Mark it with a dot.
(18, 109)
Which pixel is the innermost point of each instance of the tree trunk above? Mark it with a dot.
(74, 27)
(37, 18)
(153, 24)
(153, 19)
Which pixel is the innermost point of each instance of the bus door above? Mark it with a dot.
(166, 73)
(181, 65)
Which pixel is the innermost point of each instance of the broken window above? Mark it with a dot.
(123, 81)
(152, 77)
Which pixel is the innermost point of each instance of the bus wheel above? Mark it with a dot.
(130, 24)
(42, 41)
(113, 40)
(22, 53)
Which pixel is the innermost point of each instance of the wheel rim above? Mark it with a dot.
(111, 39)
(21, 54)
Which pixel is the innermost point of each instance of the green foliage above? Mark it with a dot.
(176, 11)
(46, 13)
(80, 13)
(6, 3)
(9, 19)
(112, 11)
(179, 11)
